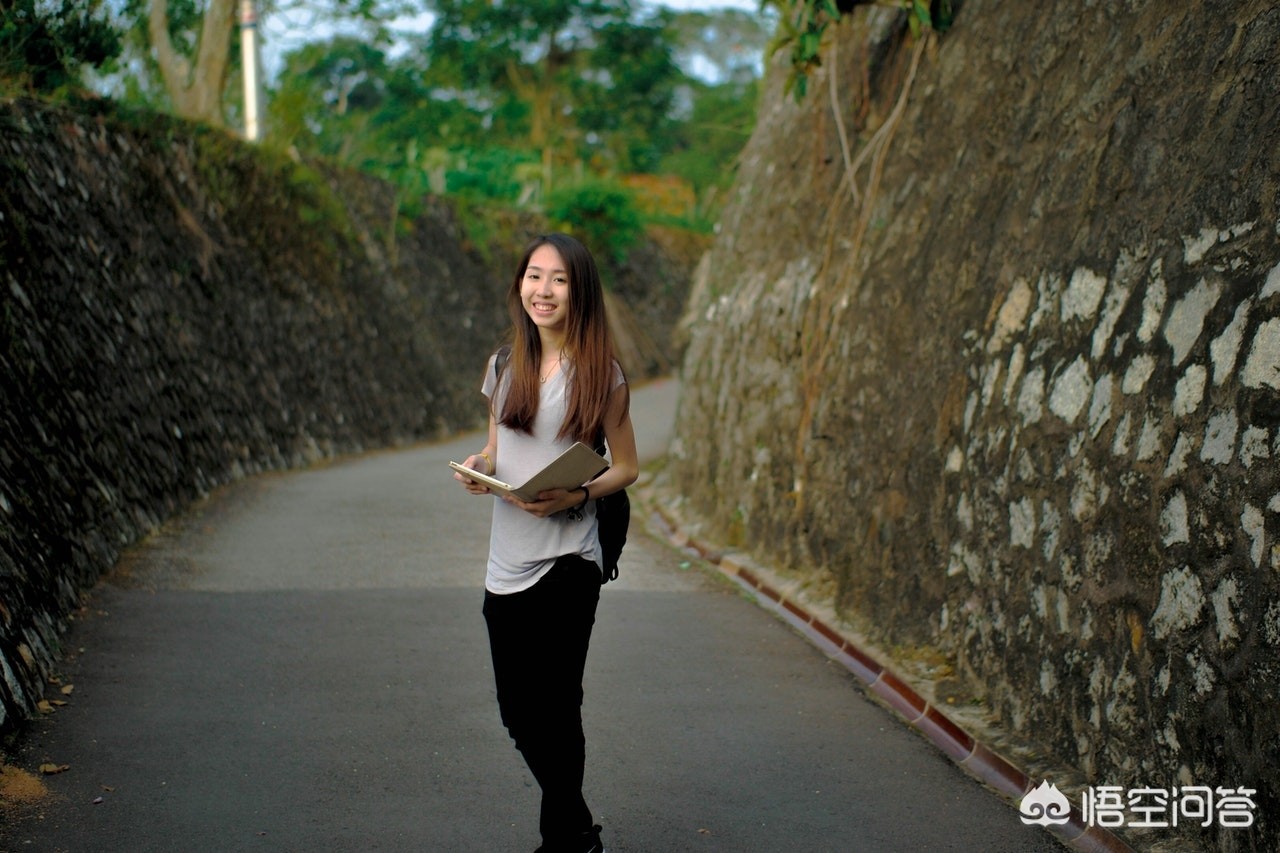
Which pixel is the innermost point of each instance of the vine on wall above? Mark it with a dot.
(848, 216)
(804, 22)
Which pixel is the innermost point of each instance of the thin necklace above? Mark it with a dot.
(544, 379)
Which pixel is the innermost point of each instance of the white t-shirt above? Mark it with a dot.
(523, 547)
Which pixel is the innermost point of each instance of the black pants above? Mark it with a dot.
(539, 639)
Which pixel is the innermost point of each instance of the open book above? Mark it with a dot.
(577, 465)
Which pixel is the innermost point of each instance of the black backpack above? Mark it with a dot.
(613, 512)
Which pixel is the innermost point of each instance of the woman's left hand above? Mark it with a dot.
(548, 503)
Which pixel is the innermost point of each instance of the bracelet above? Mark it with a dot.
(574, 513)
(486, 458)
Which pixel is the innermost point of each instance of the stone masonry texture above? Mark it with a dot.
(988, 346)
(179, 313)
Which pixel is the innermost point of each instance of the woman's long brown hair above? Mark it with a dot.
(588, 344)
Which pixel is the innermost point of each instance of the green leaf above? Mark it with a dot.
(809, 44)
(921, 10)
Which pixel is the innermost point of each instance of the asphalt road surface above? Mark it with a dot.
(300, 664)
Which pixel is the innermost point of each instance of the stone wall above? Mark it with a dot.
(179, 310)
(1012, 393)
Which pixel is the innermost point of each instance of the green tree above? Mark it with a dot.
(705, 145)
(601, 214)
(625, 108)
(542, 69)
(44, 46)
(721, 54)
(328, 94)
(458, 110)
(725, 46)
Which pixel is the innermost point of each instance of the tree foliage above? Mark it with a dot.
(600, 213)
(624, 104)
(44, 46)
(508, 103)
(571, 78)
(704, 145)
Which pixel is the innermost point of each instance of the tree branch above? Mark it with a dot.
(196, 91)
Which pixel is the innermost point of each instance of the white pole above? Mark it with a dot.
(252, 71)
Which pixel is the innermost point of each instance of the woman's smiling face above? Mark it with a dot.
(544, 290)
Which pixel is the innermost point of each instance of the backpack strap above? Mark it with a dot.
(500, 359)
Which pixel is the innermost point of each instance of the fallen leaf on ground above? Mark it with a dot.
(67, 688)
(50, 769)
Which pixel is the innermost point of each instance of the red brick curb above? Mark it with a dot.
(959, 745)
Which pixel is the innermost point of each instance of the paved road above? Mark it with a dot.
(301, 665)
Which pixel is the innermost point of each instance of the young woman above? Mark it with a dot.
(560, 384)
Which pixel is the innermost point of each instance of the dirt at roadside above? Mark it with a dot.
(20, 793)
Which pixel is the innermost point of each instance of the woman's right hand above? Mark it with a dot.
(475, 462)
